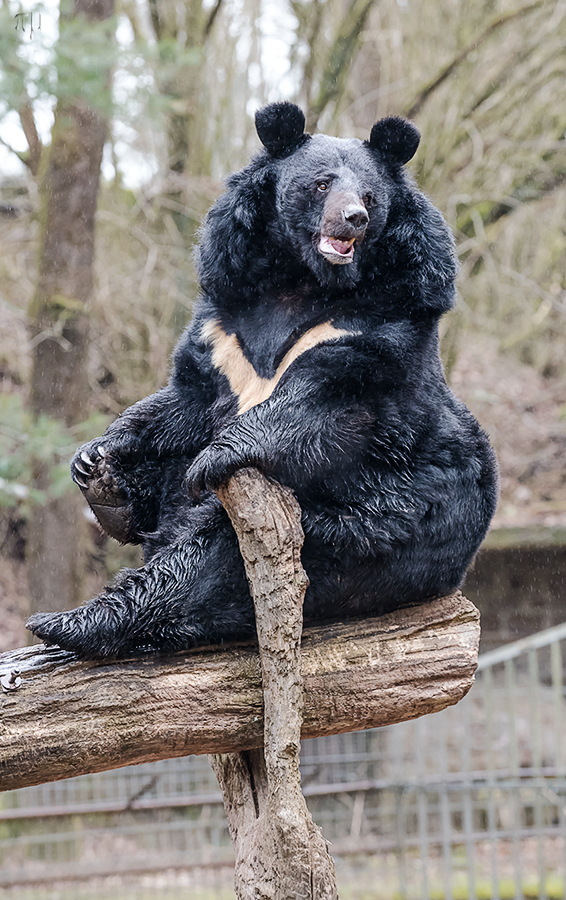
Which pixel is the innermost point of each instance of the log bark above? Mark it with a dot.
(280, 852)
(71, 717)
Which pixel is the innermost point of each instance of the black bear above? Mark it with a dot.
(312, 355)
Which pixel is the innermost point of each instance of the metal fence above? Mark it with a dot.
(467, 803)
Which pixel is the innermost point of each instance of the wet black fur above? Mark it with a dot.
(395, 478)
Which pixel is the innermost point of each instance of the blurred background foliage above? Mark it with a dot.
(175, 84)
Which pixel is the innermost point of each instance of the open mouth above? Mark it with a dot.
(335, 250)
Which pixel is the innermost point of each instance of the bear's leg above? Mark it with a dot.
(194, 592)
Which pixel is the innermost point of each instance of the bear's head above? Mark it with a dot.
(341, 208)
(332, 194)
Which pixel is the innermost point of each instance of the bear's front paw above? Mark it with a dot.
(94, 470)
(102, 453)
(212, 467)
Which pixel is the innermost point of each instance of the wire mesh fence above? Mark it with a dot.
(467, 803)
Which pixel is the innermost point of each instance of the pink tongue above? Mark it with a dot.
(344, 248)
(340, 246)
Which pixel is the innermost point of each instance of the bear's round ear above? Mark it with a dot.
(280, 127)
(396, 139)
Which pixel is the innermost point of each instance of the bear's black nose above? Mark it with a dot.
(356, 215)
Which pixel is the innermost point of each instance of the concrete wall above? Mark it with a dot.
(518, 590)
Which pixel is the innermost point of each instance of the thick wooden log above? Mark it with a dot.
(70, 717)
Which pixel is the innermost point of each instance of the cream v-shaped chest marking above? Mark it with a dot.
(249, 387)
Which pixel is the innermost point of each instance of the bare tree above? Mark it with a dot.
(59, 312)
(182, 30)
(326, 43)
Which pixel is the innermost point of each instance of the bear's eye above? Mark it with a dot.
(369, 199)
(322, 186)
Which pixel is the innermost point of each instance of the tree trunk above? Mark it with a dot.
(59, 318)
(182, 33)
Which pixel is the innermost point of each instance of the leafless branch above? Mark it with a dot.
(339, 58)
(447, 70)
(34, 143)
(211, 19)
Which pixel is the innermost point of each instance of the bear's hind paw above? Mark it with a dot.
(72, 631)
(53, 629)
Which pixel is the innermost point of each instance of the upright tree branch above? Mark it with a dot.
(209, 24)
(29, 127)
(280, 852)
(339, 59)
